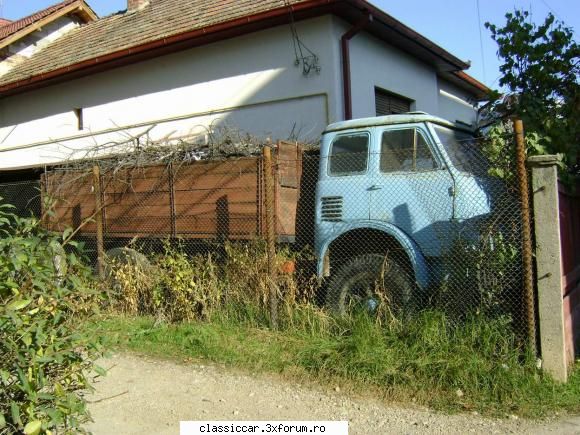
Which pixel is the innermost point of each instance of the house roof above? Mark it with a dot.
(170, 25)
(4, 21)
(14, 30)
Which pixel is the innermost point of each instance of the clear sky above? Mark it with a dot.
(453, 24)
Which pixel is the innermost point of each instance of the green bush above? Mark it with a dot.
(45, 357)
(176, 286)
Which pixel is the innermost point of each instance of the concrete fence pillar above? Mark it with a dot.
(549, 265)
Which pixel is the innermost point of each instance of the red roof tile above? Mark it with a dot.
(15, 26)
(159, 21)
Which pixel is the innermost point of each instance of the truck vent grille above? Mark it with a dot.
(332, 208)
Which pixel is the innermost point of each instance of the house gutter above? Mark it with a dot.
(222, 31)
(473, 82)
(345, 48)
(166, 45)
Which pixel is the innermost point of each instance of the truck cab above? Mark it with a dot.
(392, 194)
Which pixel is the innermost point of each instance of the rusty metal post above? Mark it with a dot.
(270, 234)
(527, 249)
(99, 221)
(171, 181)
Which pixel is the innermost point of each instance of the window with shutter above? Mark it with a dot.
(387, 103)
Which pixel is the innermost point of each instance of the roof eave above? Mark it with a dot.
(468, 83)
(86, 12)
(80, 7)
(237, 27)
(452, 62)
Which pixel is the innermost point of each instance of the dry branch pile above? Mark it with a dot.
(140, 150)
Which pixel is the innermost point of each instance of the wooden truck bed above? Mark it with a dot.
(201, 200)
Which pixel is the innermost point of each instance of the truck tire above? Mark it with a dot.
(357, 284)
(125, 256)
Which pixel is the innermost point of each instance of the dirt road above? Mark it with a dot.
(146, 396)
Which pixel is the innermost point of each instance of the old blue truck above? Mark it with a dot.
(393, 193)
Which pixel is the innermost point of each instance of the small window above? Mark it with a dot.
(405, 150)
(79, 115)
(463, 150)
(387, 103)
(349, 154)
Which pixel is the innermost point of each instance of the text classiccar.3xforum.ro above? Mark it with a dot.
(266, 428)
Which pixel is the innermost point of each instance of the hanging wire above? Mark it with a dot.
(302, 54)
(481, 40)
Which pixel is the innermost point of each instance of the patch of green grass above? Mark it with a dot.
(427, 360)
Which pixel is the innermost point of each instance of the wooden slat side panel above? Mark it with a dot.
(145, 212)
(220, 199)
(137, 180)
(286, 214)
(134, 225)
(194, 197)
(217, 175)
(222, 207)
(72, 200)
(120, 212)
(288, 178)
(288, 164)
(238, 227)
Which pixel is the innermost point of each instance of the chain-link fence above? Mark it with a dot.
(24, 196)
(393, 223)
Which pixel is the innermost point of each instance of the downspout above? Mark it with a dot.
(345, 46)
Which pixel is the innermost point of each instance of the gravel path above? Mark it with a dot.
(146, 396)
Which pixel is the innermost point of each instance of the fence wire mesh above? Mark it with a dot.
(388, 224)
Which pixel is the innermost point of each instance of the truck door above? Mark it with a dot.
(412, 189)
(344, 177)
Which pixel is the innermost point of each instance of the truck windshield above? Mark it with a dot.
(463, 150)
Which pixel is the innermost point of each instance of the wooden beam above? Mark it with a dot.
(79, 7)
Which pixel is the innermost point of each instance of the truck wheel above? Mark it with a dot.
(366, 281)
(125, 256)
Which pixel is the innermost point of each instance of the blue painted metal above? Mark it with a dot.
(329, 232)
(422, 210)
(403, 118)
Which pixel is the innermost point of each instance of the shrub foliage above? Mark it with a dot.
(44, 358)
(175, 286)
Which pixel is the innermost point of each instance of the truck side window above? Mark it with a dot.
(405, 150)
(349, 154)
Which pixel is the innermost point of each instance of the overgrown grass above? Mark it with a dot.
(472, 367)
(198, 307)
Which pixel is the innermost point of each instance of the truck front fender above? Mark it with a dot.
(416, 257)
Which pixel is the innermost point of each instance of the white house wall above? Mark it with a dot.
(374, 63)
(250, 83)
(455, 104)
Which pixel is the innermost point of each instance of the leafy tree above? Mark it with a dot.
(541, 66)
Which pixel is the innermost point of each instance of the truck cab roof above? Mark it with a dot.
(403, 118)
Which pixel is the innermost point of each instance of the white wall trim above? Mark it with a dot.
(172, 119)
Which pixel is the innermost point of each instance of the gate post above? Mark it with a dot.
(527, 248)
(549, 265)
(99, 221)
(271, 234)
